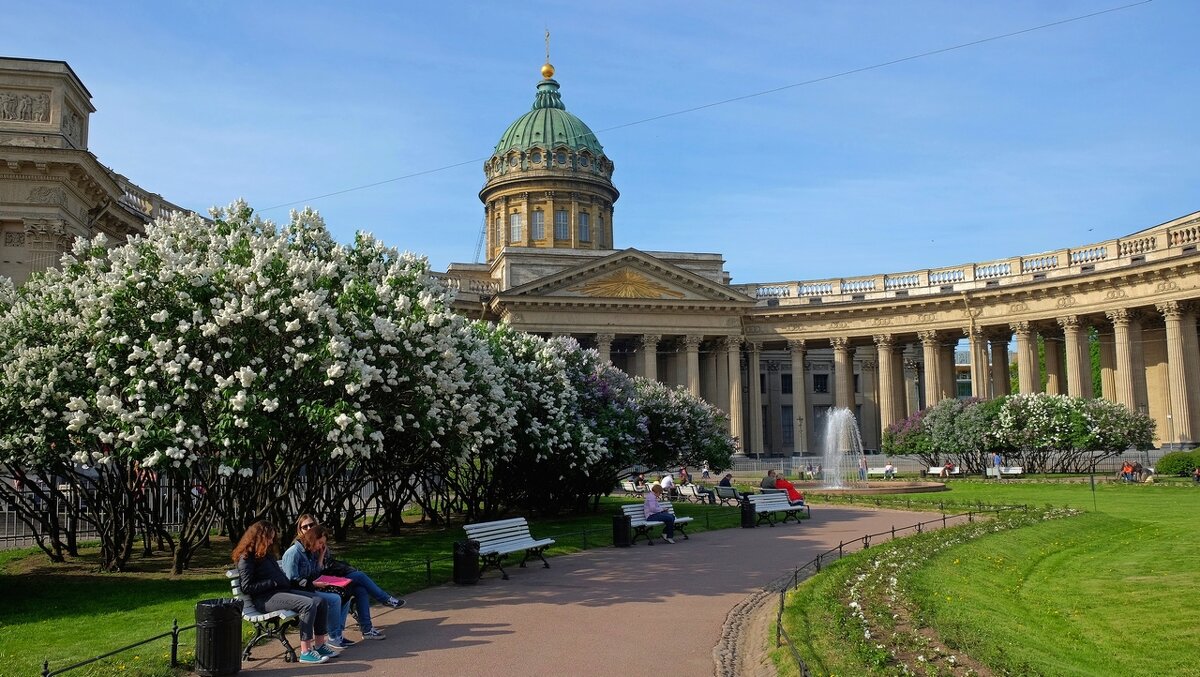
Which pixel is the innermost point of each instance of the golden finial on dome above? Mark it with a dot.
(547, 69)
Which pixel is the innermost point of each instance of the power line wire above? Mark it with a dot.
(744, 97)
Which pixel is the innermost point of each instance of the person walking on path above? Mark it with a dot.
(654, 511)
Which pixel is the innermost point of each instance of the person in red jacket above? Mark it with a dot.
(794, 496)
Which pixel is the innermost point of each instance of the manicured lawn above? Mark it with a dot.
(69, 613)
(1105, 593)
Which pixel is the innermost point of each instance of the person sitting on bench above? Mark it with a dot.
(655, 512)
(768, 482)
(794, 496)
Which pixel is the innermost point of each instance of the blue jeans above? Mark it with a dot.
(666, 518)
(337, 614)
(364, 589)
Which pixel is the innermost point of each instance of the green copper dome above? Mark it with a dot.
(548, 125)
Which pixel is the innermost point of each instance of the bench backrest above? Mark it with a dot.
(774, 491)
(726, 492)
(686, 490)
(636, 511)
(935, 469)
(627, 485)
(770, 499)
(500, 531)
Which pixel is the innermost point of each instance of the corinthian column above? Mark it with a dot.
(998, 340)
(799, 399)
(649, 351)
(1028, 374)
(1182, 391)
(1052, 349)
(981, 377)
(1122, 346)
(754, 388)
(604, 346)
(931, 347)
(1079, 363)
(734, 365)
(692, 345)
(889, 412)
(843, 374)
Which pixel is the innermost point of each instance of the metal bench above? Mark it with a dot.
(637, 519)
(691, 492)
(497, 540)
(629, 488)
(267, 625)
(770, 502)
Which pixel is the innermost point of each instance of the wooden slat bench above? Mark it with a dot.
(628, 487)
(637, 519)
(1006, 471)
(497, 540)
(936, 471)
(727, 495)
(768, 503)
(267, 625)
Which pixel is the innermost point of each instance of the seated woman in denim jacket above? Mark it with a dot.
(363, 589)
(303, 563)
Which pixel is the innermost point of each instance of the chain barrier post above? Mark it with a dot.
(175, 643)
(428, 570)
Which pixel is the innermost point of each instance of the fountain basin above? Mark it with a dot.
(870, 488)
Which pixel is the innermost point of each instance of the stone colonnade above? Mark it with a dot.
(1149, 361)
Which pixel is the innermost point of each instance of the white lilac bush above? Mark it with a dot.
(1040, 432)
(682, 429)
(259, 370)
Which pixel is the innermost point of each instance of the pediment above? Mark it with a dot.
(627, 276)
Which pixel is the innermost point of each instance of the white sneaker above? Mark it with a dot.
(668, 540)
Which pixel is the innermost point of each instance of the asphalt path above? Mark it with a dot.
(608, 611)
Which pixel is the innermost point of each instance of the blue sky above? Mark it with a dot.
(1054, 138)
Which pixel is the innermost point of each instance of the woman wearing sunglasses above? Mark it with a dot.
(363, 588)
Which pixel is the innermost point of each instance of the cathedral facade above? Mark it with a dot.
(774, 355)
(777, 355)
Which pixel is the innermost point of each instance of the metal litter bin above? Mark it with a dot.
(466, 562)
(621, 531)
(749, 519)
(218, 637)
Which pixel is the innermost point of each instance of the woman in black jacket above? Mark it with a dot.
(269, 588)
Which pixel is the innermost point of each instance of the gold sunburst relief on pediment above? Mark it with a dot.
(626, 284)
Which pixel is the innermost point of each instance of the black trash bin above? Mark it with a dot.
(466, 562)
(621, 528)
(219, 637)
(749, 519)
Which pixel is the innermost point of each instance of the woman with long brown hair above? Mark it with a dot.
(270, 590)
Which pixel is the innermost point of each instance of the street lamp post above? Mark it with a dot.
(1170, 445)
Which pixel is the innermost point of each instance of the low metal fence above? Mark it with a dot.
(173, 634)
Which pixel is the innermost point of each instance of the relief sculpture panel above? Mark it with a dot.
(24, 106)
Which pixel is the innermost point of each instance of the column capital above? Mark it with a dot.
(998, 334)
(929, 337)
(868, 365)
(884, 341)
(1172, 309)
(692, 342)
(1070, 322)
(796, 345)
(974, 332)
(605, 338)
(839, 343)
(754, 346)
(649, 341)
(1021, 327)
(1121, 317)
(773, 365)
(911, 364)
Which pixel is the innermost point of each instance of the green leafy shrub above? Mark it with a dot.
(1178, 462)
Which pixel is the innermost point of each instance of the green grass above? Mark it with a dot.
(1108, 592)
(70, 612)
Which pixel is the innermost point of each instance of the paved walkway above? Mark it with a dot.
(606, 611)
